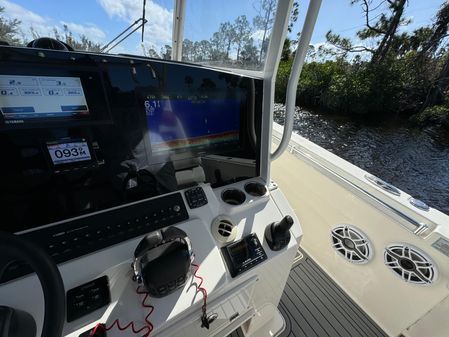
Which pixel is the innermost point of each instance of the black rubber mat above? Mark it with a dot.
(237, 333)
(313, 305)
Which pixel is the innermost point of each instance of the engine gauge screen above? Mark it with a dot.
(69, 152)
(37, 97)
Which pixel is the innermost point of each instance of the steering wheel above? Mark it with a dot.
(18, 248)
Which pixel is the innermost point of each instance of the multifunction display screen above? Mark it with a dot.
(35, 97)
(178, 122)
(68, 152)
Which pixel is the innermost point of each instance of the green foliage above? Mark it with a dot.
(403, 73)
(282, 80)
(363, 90)
(397, 86)
(316, 80)
(286, 50)
(435, 115)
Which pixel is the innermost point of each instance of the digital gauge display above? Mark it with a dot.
(41, 97)
(69, 152)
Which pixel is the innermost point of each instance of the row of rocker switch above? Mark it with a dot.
(64, 243)
(85, 235)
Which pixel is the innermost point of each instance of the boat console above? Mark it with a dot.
(141, 179)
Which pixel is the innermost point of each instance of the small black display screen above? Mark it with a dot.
(65, 152)
(239, 252)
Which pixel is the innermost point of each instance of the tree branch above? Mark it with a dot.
(365, 7)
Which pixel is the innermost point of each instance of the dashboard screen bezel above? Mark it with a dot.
(74, 165)
(91, 81)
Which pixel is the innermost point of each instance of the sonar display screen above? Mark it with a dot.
(192, 122)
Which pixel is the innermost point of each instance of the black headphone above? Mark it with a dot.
(162, 260)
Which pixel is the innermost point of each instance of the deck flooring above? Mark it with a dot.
(313, 305)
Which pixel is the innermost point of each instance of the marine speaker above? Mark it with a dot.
(410, 263)
(351, 243)
(223, 230)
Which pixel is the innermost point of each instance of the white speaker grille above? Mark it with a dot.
(351, 243)
(223, 229)
(410, 263)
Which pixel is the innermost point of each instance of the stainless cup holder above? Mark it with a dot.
(233, 196)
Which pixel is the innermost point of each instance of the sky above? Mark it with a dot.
(102, 20)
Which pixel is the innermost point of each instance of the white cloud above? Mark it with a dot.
(14, 11)
(90, 30)
(28, 18)
(45, 26)
(158, 30)
(258, 35)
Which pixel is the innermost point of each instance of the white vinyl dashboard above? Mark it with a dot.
(251, 297)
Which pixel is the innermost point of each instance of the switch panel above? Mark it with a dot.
(87, 298)
(89, 234)
(196, 197)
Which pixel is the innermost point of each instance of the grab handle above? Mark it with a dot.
(301, 51)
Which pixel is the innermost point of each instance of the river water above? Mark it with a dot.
(414, 160)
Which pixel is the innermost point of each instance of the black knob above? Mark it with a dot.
(277, 234)
(285, 224)
(254, 242)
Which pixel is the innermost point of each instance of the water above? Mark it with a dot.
(413, 159)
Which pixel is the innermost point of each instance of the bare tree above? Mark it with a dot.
(9, 29)
(218, 46)
(264, 21)
(201, 51)
(388, 27)
(242, 32)
(187, 50)
(249, 53)
(83, 43)
(439, 31)
(382, 28)
(227, 31)
(153, 53)
(166, 52)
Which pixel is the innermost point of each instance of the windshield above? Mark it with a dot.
(232, 34)
(226, 34)
(90, 25)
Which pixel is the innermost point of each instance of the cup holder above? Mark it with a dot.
(255, 189)
(233, 197)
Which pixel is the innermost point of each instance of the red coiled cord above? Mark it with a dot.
(147, 328)
(199, 287)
